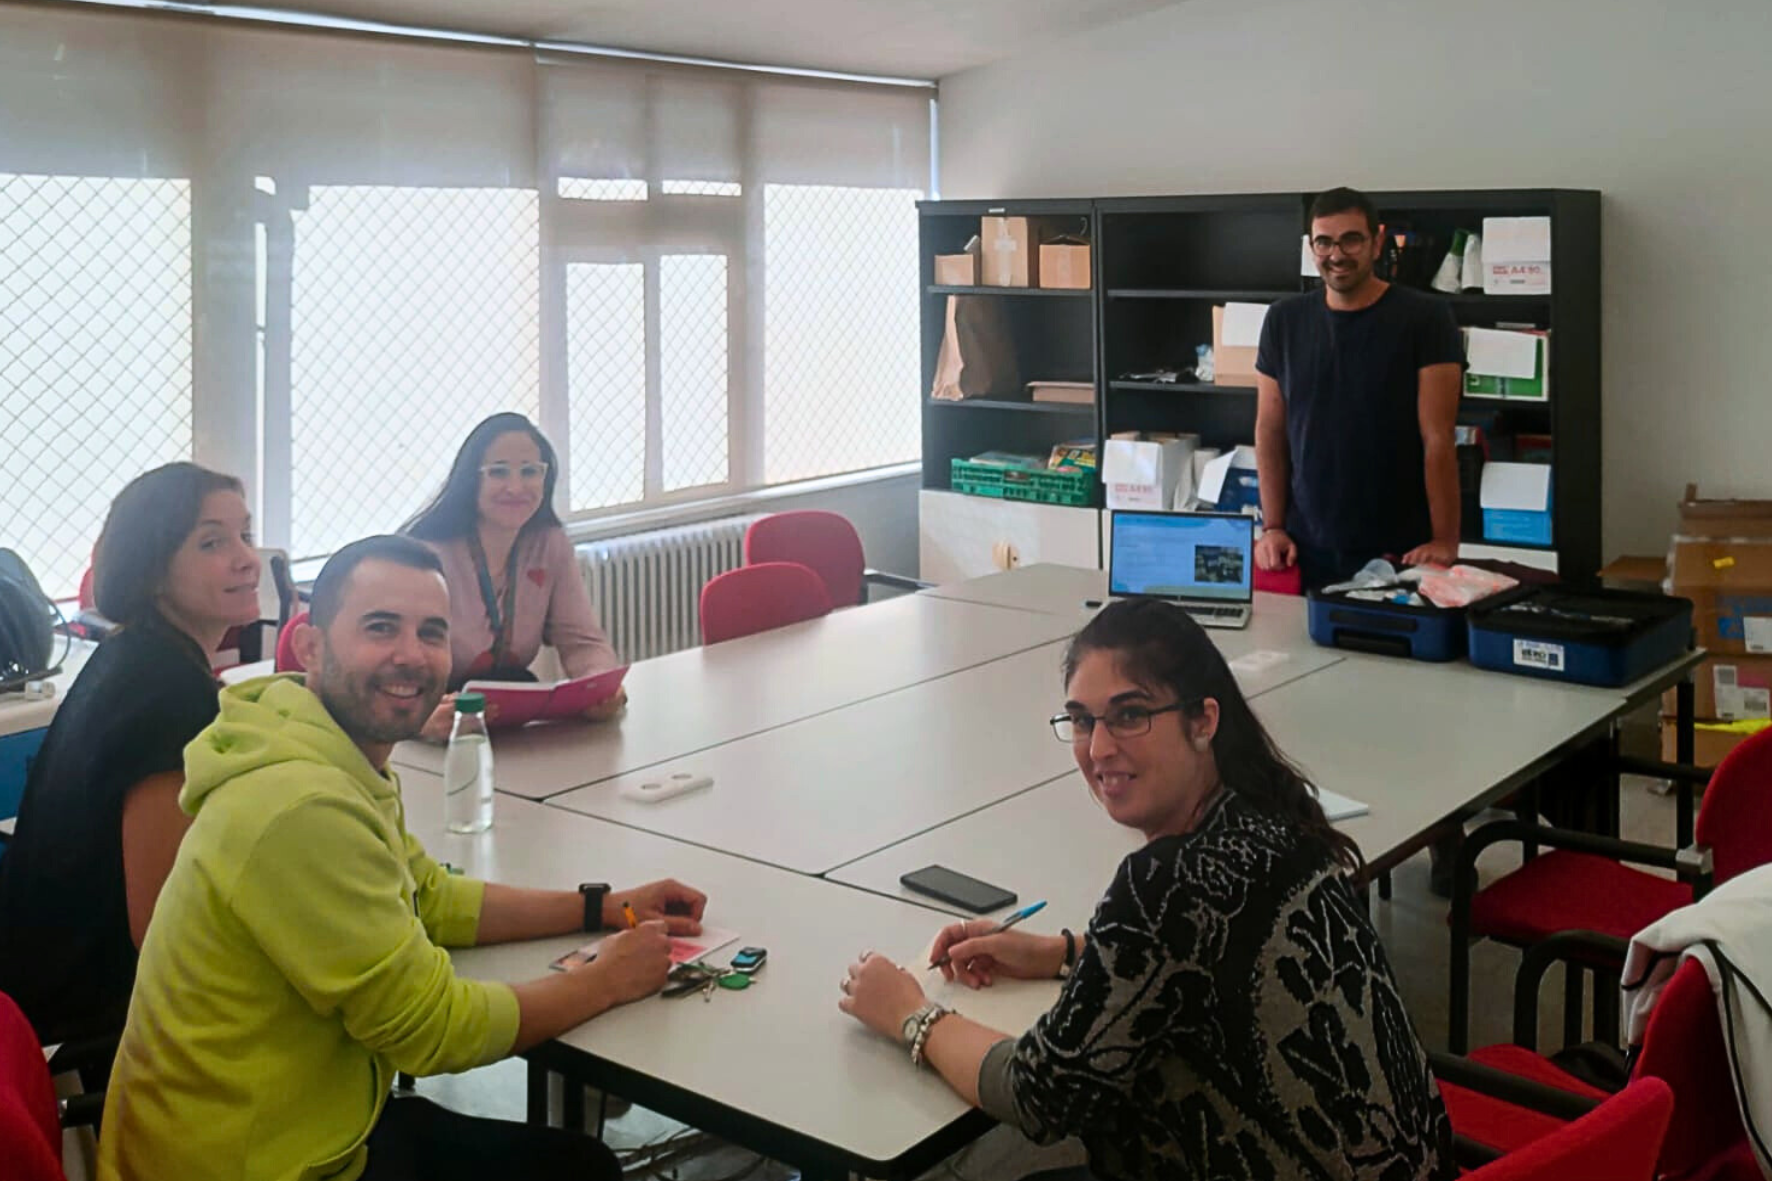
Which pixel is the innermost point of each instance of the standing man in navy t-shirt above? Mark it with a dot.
(1358, 388)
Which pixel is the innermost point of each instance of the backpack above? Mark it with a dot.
(27, 624)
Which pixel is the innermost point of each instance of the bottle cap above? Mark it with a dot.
(470, 703)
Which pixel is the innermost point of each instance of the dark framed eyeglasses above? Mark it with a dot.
(1122, 721)
(1351, 242)
(504, 473)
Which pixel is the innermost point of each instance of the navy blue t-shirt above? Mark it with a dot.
(1351, 381)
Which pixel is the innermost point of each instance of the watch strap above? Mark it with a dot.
(593, 894)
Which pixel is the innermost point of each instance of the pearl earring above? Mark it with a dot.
(1203, 743)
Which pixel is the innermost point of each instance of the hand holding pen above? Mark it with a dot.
(977, 951)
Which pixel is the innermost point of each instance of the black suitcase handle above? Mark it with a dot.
(1372, 643)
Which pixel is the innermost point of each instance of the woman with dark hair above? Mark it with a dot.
(513, 580)
(99, 824)
(1229, 1011)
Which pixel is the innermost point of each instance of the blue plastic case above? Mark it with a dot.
(1597, 637)
(1391, 629)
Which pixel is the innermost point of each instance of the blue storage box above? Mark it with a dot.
(1389, 629)
(1599, 637)
(1516, 499)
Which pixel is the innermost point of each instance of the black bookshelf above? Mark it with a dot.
(1053, 330)
(1162, 263)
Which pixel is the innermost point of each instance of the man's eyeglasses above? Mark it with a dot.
(1123, 721)
(1351, 242)
(503, 473)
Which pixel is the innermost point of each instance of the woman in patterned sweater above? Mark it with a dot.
(1229, 1012)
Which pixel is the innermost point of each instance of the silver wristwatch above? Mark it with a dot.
(907, 1033)
(916, 1027)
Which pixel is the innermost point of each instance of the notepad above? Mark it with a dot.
(517, 703)
(684, 948)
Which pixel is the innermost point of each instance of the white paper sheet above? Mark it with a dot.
(1501, 354)
(1242, 324)
(1212, 477)
(1516, 239)
(1517, 486)
(1339, 807)
(684, 948)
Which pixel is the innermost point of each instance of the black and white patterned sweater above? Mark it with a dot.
(1232, 1016)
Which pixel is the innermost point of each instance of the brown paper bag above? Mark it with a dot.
(977, 358)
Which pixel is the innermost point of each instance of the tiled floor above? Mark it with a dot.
(1413, 925)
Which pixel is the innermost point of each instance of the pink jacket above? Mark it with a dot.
(552, 607)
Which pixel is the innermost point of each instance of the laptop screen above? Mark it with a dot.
(1182, 556)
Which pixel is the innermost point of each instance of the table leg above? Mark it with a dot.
(538, 1096)
(1684, 705)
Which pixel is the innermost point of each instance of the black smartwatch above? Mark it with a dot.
(594, 893)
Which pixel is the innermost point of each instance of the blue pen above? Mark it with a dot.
(1024, 912)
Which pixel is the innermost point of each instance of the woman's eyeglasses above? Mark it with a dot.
(504, 473)
(1123, 721)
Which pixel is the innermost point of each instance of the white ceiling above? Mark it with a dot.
(899, 38)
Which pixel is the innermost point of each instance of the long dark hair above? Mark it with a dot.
(1159, 646)
(455, 510)
(148, 521)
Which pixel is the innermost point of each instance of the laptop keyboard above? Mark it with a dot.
(1215, 612)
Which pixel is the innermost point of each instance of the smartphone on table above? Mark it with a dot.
(946, 885)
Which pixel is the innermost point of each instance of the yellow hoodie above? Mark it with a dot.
(293, 964)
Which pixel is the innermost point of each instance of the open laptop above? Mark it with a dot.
(1202, 562)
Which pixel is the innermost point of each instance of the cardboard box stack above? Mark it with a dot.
(1721, 559)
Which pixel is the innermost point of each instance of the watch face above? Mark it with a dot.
(908, 1030)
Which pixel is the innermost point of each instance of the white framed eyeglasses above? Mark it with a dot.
(504, 473)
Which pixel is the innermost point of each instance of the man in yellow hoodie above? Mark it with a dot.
(295, 957)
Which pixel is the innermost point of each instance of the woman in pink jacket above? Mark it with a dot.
(513, 580)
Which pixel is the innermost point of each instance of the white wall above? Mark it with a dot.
(1662, 107)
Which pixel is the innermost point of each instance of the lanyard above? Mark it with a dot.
(499, 618)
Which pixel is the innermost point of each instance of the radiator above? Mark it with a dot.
(647, 586)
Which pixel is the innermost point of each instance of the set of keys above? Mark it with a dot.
(705, 978)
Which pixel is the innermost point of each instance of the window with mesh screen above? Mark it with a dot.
(314, 260)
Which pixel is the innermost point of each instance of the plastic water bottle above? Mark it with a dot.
(467, 768)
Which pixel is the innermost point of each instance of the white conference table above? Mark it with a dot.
(702, 697)
(1441, 750)
(823, 791)
(776, 1068)
(816, 793)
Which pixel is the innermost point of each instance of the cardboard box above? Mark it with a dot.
(1730, 585)
(1007, 254)
(1641, 573)
(1065, 264)
(1144, 473)
(956, 270)
(1728, 689)
(1721, 559)
(1516, 256)
(1230, 365)
(1708, 746)
(1516, 500)
(1070, 393)
(1724, 518)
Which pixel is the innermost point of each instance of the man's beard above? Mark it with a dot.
(352, 704)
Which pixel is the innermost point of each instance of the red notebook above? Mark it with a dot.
(517, 703)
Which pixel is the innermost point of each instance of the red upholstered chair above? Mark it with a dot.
(1589, 882)
(825, 543)
(30, 1128)
(758, 598)
(1616, 1141)
(1511, 1099)
(287, 662)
